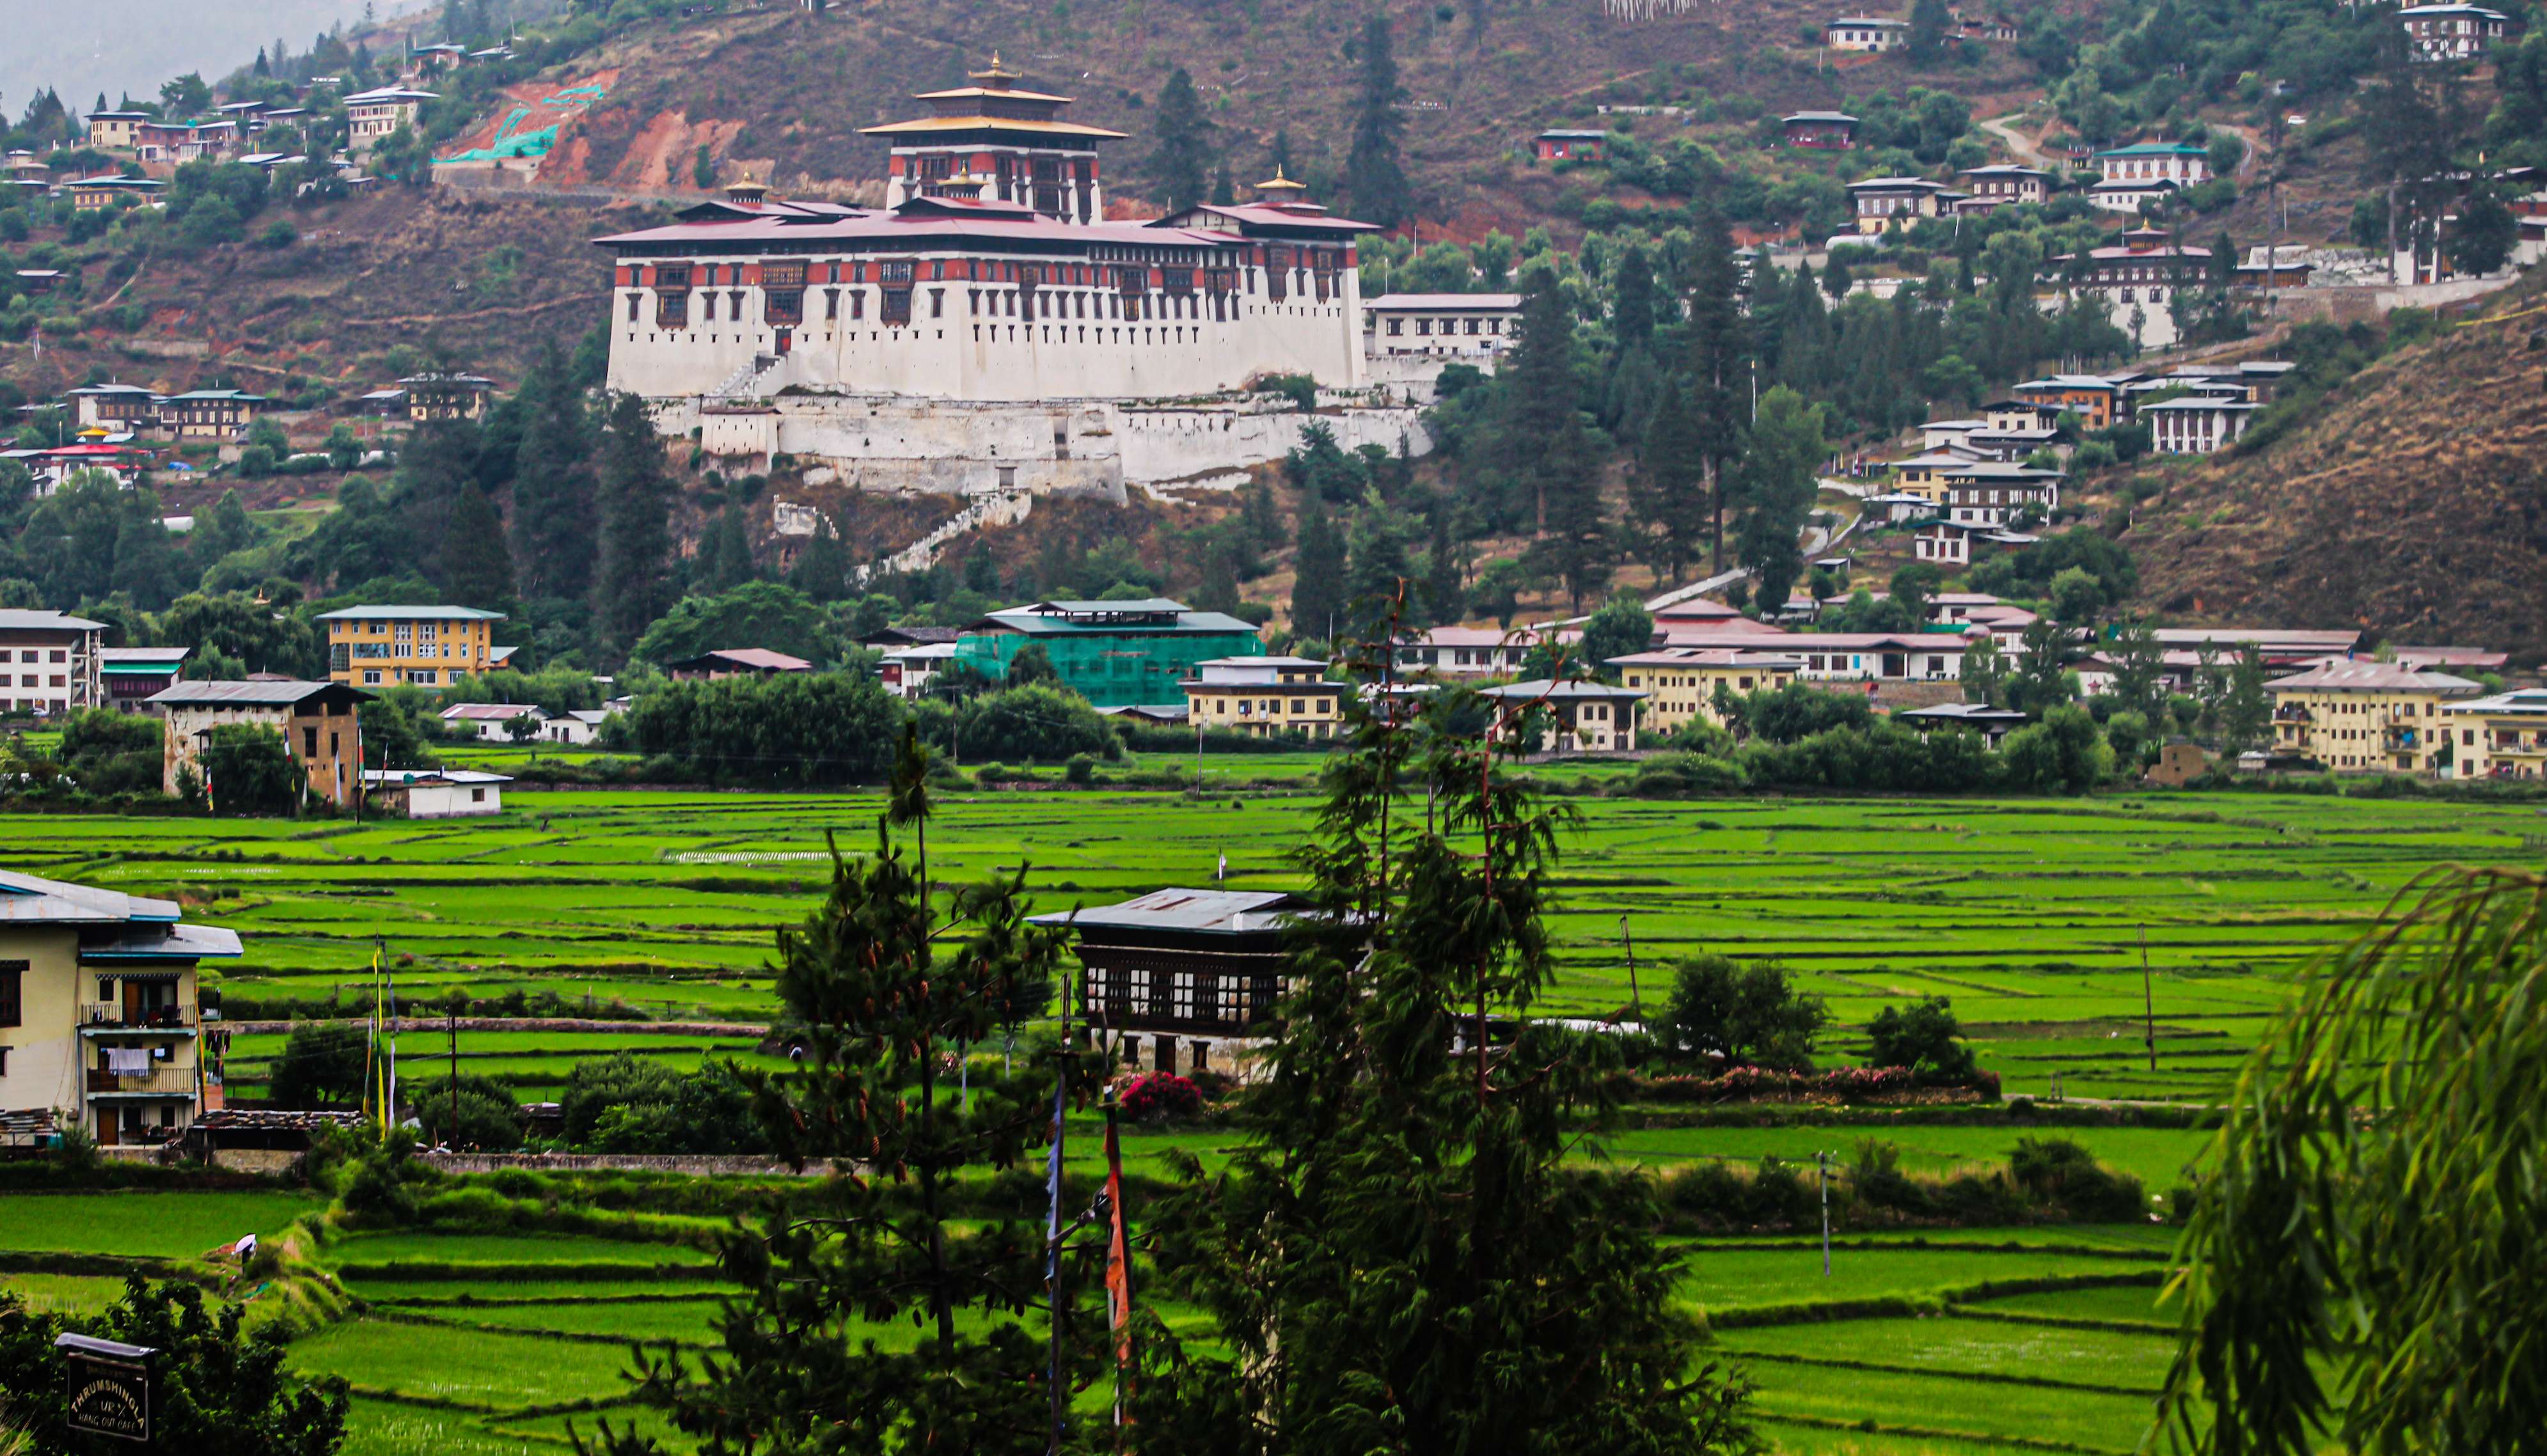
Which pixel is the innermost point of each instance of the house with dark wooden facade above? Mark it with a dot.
(1183, 979)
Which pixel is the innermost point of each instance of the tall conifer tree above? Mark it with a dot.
(635, 584)
(554, 510)
(1671, 498)
(476, 567)
(1182, 161)
(1318, 591)
(1374, 176)
(1716, 388)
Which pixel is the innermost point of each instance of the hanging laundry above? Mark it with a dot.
(129, 1060)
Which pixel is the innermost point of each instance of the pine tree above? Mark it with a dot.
(822, 570)
(1278, 158)
(726, 552)
(1671, 501)
(1781, 466)
(1448, 600)
(1927, 38)
(1375, 176)
(1217, 591)
(1577, 547)
(888, 996)
(1376, 566)
(261, 67)
(1717, 354)
(1410, 1252)
(1631, 301)
(477, 568)
(1317, 590)
(635, 490)
(1182, 161)
(1540, 391)
(149, 565)
(554, 515)
(1224, 188)
(226, 528)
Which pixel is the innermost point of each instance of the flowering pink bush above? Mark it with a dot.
(1742, 1084)
(1158, 1096)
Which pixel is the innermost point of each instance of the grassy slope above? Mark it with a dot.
(2412, 501)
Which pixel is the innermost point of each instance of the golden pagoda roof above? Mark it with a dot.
(1280, 185)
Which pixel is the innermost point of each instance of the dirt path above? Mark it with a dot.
(2024, 150)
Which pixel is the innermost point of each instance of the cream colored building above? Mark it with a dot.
(99, 1025)
(371, 115)
(49, 662)
(1681, 681)
(1581, 717)
(1266, 696)
(2503, 737)
(115, 130)
(431, 646)
(2367, 717)
(321, 723)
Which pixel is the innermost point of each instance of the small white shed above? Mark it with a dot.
(434, 793)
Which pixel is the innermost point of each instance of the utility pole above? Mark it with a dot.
(1821, 1163)
(2149, 1002)
(452, 1023)
(1636, 1002)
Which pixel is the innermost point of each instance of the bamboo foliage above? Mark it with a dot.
(2367, 1262)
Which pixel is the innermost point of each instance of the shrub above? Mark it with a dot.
(1159, 1097)
(2059, 1172)
(1926, 1039)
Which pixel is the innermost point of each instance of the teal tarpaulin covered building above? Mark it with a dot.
(1118, 655)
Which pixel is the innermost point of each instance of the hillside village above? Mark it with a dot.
(1896, 443)
(1484, 726)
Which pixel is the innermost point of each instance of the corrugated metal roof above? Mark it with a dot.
(164, 943)
(271, 694)
(29, 898)
(1218, 911)
(16, 618)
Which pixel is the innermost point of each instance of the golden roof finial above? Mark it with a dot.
(997, 77)
(1281, 189)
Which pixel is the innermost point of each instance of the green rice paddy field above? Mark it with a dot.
(2031, 915)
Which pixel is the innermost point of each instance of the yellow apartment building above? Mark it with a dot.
(1681, 681)
(1265, 696)
(431, 646)
(2503, 737)
(2367, 717)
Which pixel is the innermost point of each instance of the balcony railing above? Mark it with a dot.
(154, 1018)
(165, 1082)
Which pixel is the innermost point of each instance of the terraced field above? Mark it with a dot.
(2033, 915)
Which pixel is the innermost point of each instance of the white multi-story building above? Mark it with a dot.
(989, 276)
(49, 662)
(2146, 172)
(2451, 31)
(371, 115)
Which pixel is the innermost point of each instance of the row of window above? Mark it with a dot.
(28, 681)
(28, 654)
(423, 677)
(1449, 325)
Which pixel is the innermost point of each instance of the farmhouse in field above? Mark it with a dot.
(1582, 717)
(321, 723)
(434, 793)
(491, 721)
(1183, 979)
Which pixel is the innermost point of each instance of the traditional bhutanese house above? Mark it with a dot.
(1991, 722)
(734, 662)
(1882, 203)
(1112, 653)
(2451, 31)
(371, 116)
(1863, 32)
(1945, 543)
(993, 142)
(1262, 696)
(321, 723)
(446, 396)
(2146, 272)
(2366, 716)
(488, 720)
(116, 406)
(1183, 979)
(1895, 506)
(1821, 130)
(1441, 323)
(2503, 737)
(96, 194)
(1849, 656)
(434, 793)
(2195, 424)
(2279, 647)
(2002, 184)
(2146, 172)
(907, 672)
(1996, 28)
(133, 675)
(210, 414)
(1582, 717)
(1570, 147)
(115, 130)
(1681, 681)
(2265, 267)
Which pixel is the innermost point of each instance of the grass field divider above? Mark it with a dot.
(1935, 1433)
(424, 1271)
(1991, 1377)
(2061, 1322)
(97, 1265)
(1916, 1305)
(2082, 1250)
(502, 1302)
(396, 1315)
